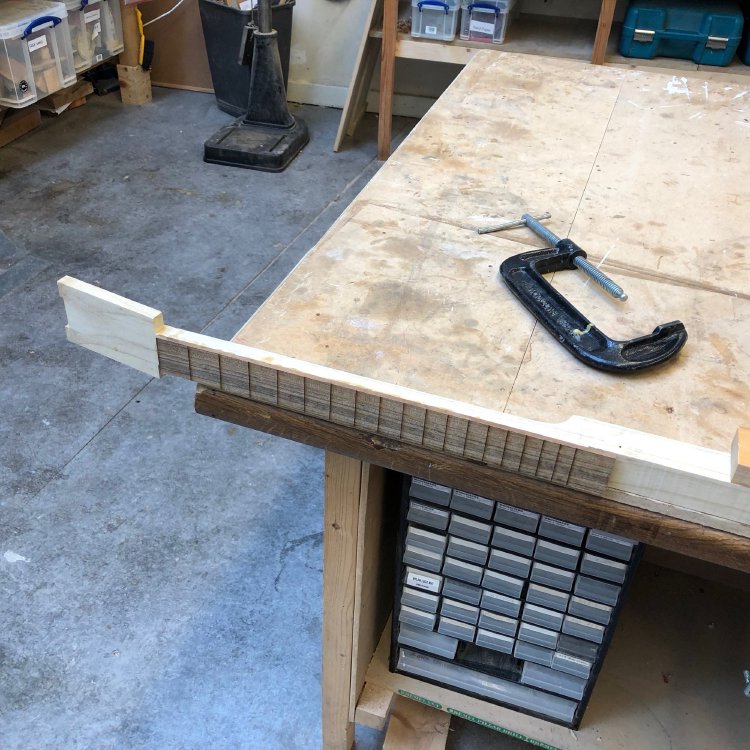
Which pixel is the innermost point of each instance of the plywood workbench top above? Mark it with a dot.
(646, 170)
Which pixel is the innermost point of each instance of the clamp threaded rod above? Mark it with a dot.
(580, 262)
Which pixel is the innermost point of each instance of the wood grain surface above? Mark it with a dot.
(643, 169)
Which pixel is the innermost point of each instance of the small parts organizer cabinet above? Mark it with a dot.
(95, 31)
(36, 58)
(503, 603)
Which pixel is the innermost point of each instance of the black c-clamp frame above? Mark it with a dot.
(524, 276)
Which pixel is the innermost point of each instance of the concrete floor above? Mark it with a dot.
(160, 571)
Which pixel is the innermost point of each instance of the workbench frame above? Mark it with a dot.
(358, 555)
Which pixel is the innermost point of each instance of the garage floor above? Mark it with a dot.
(160, 571)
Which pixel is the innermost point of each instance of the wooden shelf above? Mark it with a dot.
(565, 38)
(548, 36)
(672, 677)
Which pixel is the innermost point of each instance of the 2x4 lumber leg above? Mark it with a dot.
(606, 14)
(343, 478)
(387, 74)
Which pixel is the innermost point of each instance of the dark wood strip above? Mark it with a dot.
(659, 530)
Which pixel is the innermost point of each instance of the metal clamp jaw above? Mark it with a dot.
(523, 274)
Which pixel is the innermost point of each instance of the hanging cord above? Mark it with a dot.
(164, 15)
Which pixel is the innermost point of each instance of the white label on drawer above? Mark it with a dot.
(481, 27)
(430, 30)
(423, 582)
(92, 15)
(38, 43)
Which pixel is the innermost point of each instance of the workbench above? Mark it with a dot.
(394, 347)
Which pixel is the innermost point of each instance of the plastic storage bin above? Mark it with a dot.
(36, 58)
(707, 32)
(95, 31)
(222, 30)
(485, 21)
(434, 19)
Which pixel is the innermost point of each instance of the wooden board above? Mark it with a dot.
(18, 122)
(401, 288)
(180, 58)
(671, 679)
(111, 325)
(343, 478)
(628, 466)
(135, 84)
(415, 726)
(373, 591)
(709, 538)
(359, 85)
(373, 706)
(66, 98)
(396, 324)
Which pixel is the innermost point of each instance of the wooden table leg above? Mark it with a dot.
(343, 478)
(606, 14)
(358, 556)
(387, 71)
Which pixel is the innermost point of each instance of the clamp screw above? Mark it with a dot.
(602, 279)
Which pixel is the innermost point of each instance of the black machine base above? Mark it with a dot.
(254, 146)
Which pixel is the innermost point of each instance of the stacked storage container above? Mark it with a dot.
(95, 31)
(434, 19)
(36, 58)
(485, 20)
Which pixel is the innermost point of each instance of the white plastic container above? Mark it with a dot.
(485, 20)
(435, 19)
(95, 31)
(36, 58)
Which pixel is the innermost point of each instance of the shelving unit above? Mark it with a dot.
(550, 36)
